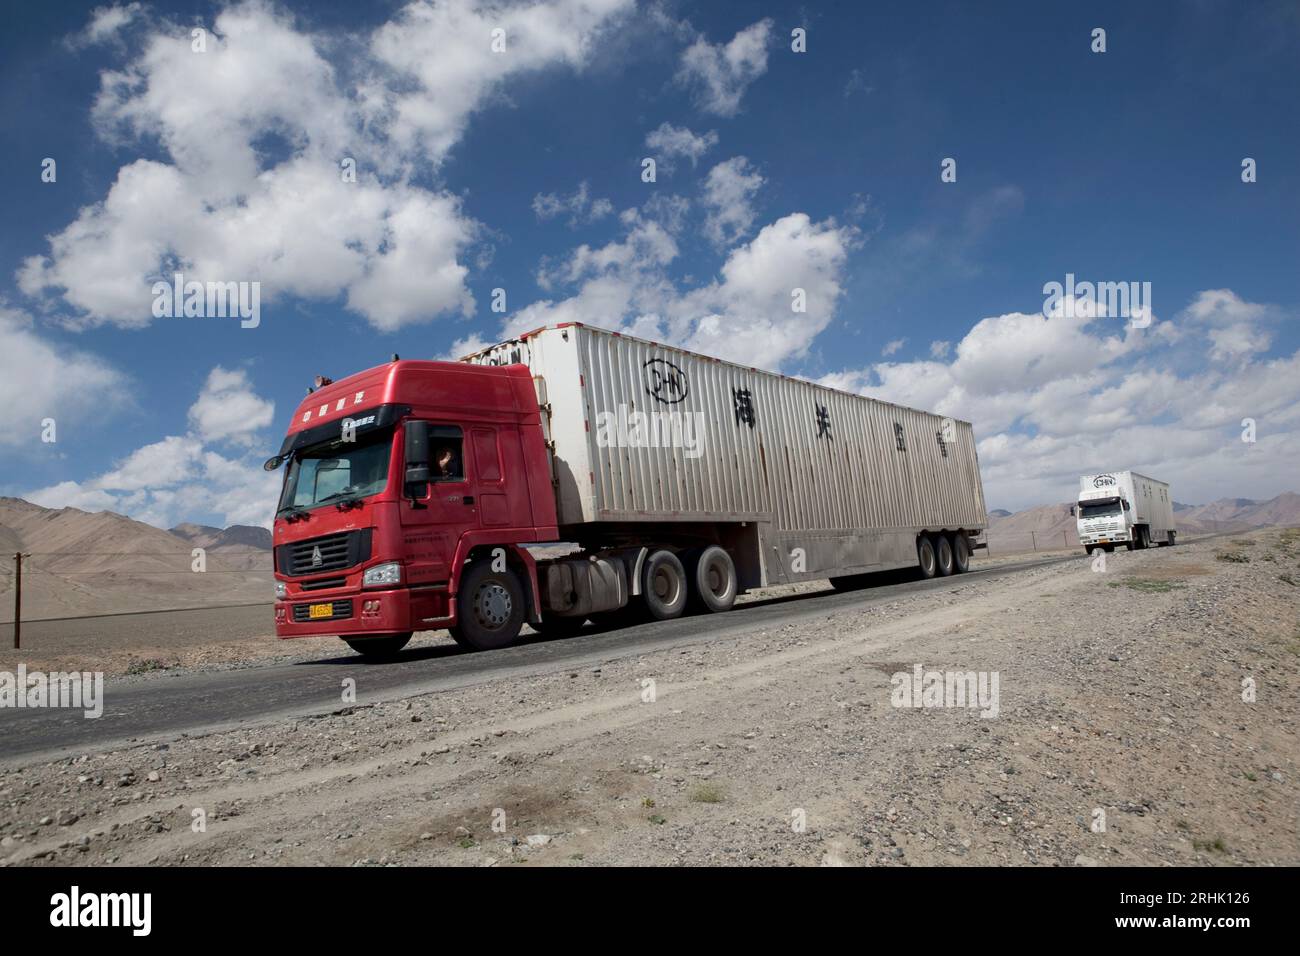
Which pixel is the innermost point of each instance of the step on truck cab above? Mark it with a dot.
(575, 474)
(1123, 507)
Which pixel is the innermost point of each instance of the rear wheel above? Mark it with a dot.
(378, 647)
(489, 608)
(713, 579)
(1172, 539)
(925, 557)
(663, 586)
(943, 554)
(960, 552)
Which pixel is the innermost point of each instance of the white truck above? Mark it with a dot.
(1123, 507)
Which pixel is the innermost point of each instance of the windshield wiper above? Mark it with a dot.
(293, 512)
(348, 494)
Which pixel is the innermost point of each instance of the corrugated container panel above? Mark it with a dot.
(843, 473)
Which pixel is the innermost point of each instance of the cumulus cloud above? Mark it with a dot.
(746, 313)
(172, 479)
(40, 378)
(228, 409)
(677, 142)
(721, 73)
(729, 192)
(1055, 397)
(260, 133)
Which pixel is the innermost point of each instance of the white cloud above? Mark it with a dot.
(1053, 398)
(729, 191)
(673, 142)
(1234, 327)
(41, 379)
(744, 314)
(179, 476)
(940, 349)
(892, 346)
(443, 56)
(579, 206)
(254, 131)
(228, 409)
(105, 23)
(720, 74)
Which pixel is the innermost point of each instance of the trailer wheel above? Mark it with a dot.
(960, 552)
(713, 579)
(925, 556)
(943, 555)
(663, 585)
(489, 608)
(1172, 539)
(380, 646)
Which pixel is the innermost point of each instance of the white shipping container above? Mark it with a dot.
(830, 482)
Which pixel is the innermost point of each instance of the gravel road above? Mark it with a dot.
(1145, 715)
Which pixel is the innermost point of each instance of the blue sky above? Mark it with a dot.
(819, 170)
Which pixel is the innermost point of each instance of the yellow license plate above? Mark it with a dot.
(320, 610)
(1103, 540)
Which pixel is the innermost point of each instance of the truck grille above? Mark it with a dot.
(340, 610)
(336, 552)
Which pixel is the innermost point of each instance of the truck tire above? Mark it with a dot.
(558, 627)
(960, 553)
(925, 557)
(379, 647)
(663, 586)
(713, 579)
(489, 608)
(1173, 540)
(943, 555)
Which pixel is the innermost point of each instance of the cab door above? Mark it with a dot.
(442, 510)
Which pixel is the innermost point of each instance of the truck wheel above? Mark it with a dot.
(1172, 538)
(713, 579)
(960, 553)
(943, 555)
(489, 608)
(663, 586)
(925, 556)
(380, 646)
(558, 626)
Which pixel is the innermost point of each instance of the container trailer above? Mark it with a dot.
(575, 473)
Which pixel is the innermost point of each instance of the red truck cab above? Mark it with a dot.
(406, 487)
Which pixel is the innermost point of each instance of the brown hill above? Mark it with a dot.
(104, 563)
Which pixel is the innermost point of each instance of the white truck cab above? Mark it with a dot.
(1123, 507)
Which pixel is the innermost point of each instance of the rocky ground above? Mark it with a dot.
(1146, 715)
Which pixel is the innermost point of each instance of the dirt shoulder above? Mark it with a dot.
(1120, 697)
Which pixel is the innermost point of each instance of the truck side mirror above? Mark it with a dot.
(417, 452)
(1071, 511)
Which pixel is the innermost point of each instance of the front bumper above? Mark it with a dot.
(1104, 537)
(368, 612)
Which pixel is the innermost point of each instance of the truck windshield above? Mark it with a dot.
(1098, 511)
(337, 471)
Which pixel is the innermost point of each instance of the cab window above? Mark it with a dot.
(446, 453)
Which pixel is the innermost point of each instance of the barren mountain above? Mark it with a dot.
(86, 563)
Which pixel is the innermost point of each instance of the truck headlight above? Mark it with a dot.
(281, 590)
(382, 574)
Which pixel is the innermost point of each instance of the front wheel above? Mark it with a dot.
(379, 647)
(489, 608)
